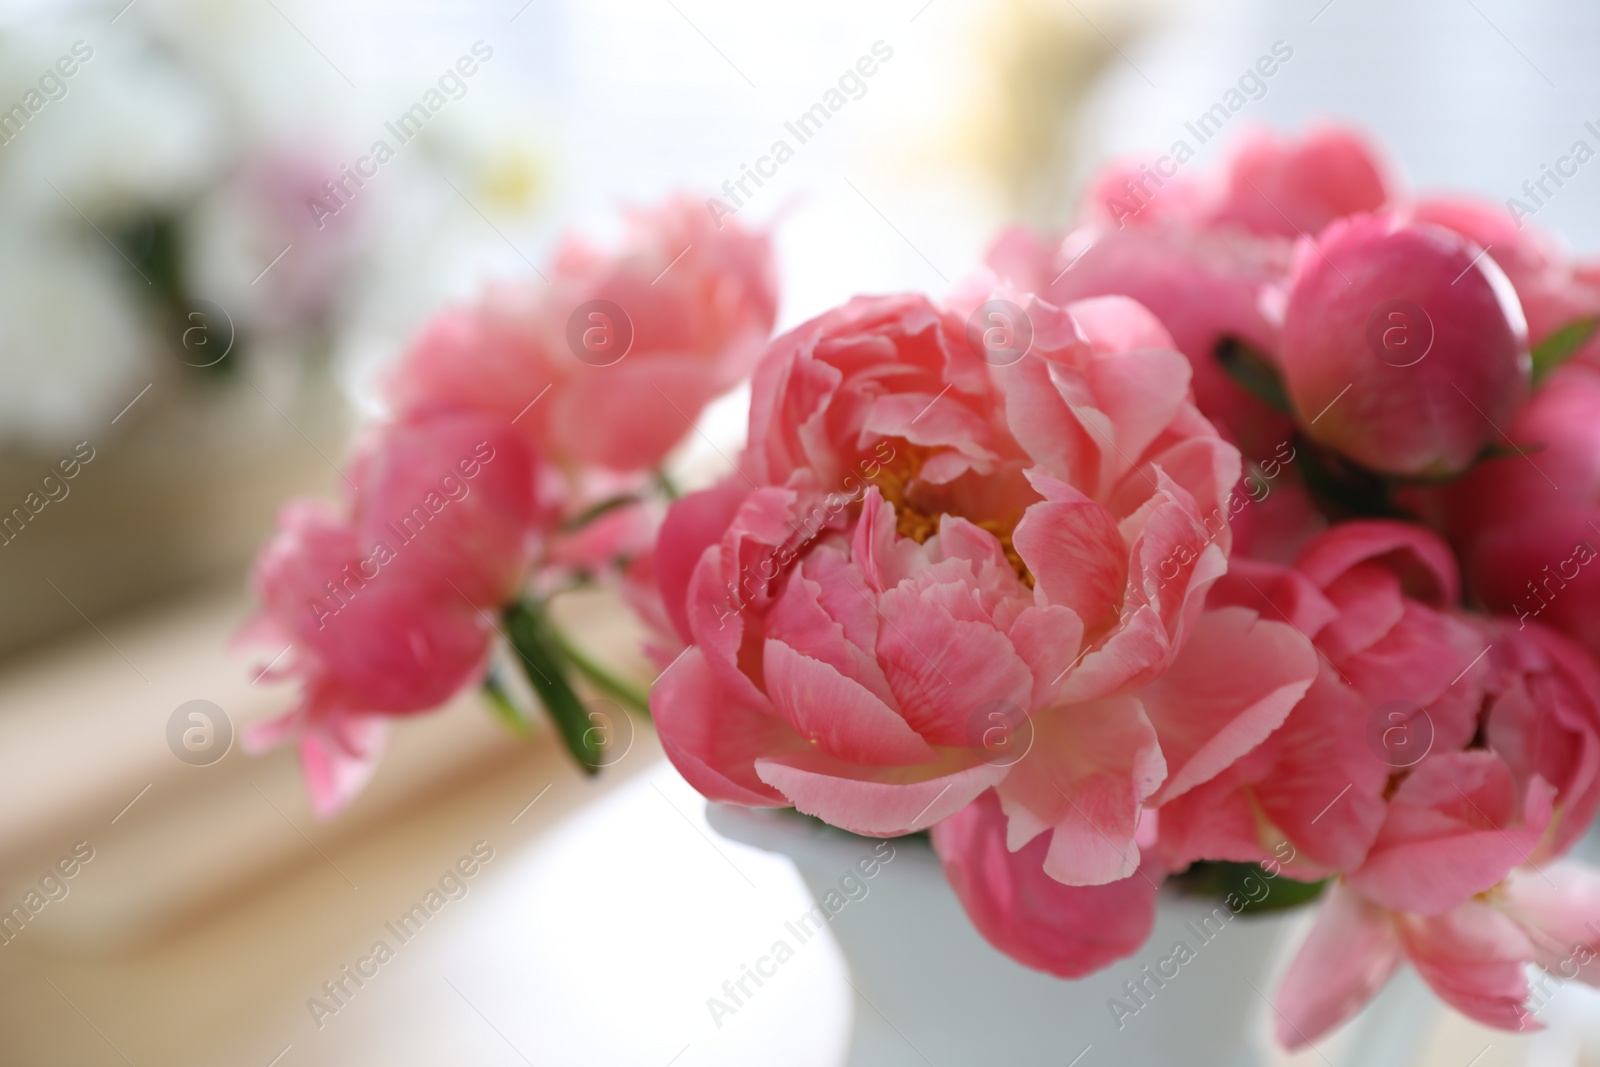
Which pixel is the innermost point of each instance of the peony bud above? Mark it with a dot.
(1404, 346)
(1528, 526)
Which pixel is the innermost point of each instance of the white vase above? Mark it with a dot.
(931, 991)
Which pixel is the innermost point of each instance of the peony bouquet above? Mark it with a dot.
(1242, 530)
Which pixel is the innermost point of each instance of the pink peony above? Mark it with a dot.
(1473, 955)
(455, 498)
(1403, 346)
(1542, 716)
(1068, 931)
(1203, 255)
(1456, 825)
(933, 576)
(1203, 285)
(1528, 524)
(382, 613)
(1377, 598)
(1270, 186)
(612, 361)
(1446, 883)
(1144, 194)
(1293, 187)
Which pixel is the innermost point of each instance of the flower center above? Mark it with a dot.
(917, 517)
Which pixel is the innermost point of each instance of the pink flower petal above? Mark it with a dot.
(714, 740)
(1351, 952)
(1474, 957)
(1421, 558)
(1558, 908)
(837, 714)
(1120, 324)
(800, 618)
(1067, 931)
(1454, 829)
(1048, 639)
(1274, 592)
(878, 802)
(1086, 774)
(1078, 559)
(1233, 683)
(693, 524)
(944, 671)
(1142, 393)
(1213, 821)
(337, 761)
(1325, 789)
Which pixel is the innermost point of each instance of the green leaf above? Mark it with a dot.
(594, 512)
(1342, 489)
(1248, 888)
(1254, 371)
(546, 667)
(1560, 346)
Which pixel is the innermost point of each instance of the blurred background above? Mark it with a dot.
(195, 297)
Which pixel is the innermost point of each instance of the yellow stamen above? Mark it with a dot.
(895, 483)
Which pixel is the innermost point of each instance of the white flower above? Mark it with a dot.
(124, 132)
(71, 343)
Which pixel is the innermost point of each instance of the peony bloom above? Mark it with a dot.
(933, 576)
(1295, 187)
(1377, 599)
(1455, 826)
(1473, 955)
(1204, 255)
(1542, 716)
(381, 613)
(1446, 883)
(1528, 525)
(1140, 194)
(1203, 285)
(455, 497)
(1403, 345)
(1270, 186)
(1068, 931)
(611, 362)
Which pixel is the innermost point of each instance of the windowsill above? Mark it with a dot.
(83, 730)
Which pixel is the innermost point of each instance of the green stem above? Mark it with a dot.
(668, 487)
(545, 666)
(631, 696)
(597, 510)
(503, 704)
